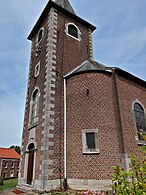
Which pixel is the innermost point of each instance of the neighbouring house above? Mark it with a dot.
(81, 117)
(9, 163)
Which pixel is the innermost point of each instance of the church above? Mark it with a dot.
(81, 117)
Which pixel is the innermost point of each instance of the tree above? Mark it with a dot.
(16, 148)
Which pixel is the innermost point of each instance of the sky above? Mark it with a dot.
(119, 40)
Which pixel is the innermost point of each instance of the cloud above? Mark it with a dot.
(118, 41)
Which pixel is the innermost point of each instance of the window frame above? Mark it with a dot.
(37, 71)
(139, 141)
(38, 42)
(30, 124)
(85, 150)
(13, 163)
(78, 31)
(12, 174)
(6, 164)
(5, 174)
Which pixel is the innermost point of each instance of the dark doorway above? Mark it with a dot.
(30, 164)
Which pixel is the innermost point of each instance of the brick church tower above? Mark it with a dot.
(60, 42)
(81, 117)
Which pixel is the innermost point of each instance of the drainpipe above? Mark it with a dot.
(65, 159)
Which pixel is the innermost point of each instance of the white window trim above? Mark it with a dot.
(36, 73)
(12, 174)
(31, 103)
(79, 32)
(37, 43)
(84, 143)
(6, 164)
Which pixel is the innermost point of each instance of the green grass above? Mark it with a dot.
(10, 183)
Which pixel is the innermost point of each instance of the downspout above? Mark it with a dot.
(65, 137)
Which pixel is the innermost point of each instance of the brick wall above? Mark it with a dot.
(93, 111)
(128, 93)
(8, 166)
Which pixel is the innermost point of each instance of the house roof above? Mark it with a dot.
(64, 7)
(88, 66)
(93, 66)
(8, 153)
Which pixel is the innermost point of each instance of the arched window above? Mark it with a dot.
(139, 119)
(40, 35)
(34, 111)
(39, 41)
(73, 31)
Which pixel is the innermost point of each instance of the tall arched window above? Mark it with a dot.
(139, 119)
(40, 35)
(34, 110)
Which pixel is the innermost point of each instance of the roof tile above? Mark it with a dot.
(8, 153)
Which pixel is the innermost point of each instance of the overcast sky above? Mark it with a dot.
(120, 40)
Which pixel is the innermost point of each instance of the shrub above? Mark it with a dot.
(132, 182)
(1, 181)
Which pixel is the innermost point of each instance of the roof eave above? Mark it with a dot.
(87, 71)
(46, 11)
(130, 76)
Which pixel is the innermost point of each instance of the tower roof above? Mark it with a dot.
(65, 4)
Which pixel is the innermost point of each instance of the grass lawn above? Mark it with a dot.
(10, 183)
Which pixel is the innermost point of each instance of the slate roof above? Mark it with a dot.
(65, 4)
(8, 153)
(87, 66)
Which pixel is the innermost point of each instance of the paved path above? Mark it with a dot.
(9, 192)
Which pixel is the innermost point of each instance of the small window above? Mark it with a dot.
(4, 175)
(6, 164)
(139, 119)
(18, 164)
(13, 163)
(40, 35)
(90, 140)
(17, 173)
(12, 174)
(73, 31)
(37, 70)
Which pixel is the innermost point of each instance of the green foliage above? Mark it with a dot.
(132, 182)
(11, 183)
(1, 181)
(16, 148)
